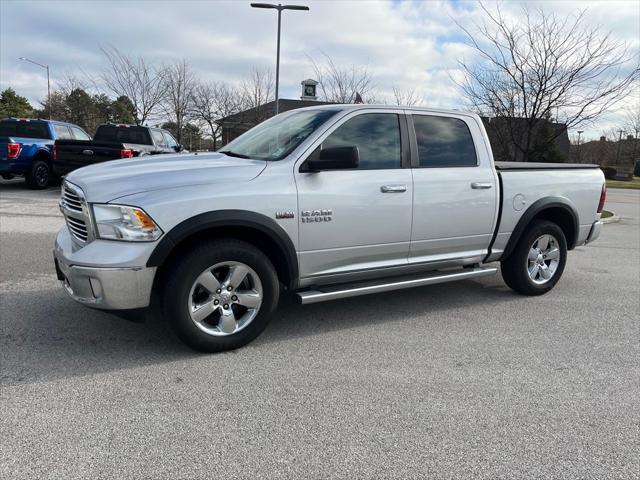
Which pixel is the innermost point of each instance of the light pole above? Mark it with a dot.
(280, 8)
(46, 67)
(580, 132)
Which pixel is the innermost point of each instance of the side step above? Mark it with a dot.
(352, 290)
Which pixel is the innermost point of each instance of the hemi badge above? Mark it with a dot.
(284, 215)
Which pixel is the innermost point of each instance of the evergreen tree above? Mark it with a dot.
(14, 105)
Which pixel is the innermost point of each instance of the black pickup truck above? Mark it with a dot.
(112, 142)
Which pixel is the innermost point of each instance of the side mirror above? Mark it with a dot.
(332, 158)
(178, 148)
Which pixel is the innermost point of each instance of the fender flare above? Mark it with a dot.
(535, 209)
(228, 218)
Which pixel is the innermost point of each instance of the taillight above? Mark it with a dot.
(55, 152)
(13, 150)
(126, 153)
(603, 198)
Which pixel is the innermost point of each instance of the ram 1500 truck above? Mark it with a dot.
(325, 202)
(113, 142)
(26, 148)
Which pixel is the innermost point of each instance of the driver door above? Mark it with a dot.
(357, 220)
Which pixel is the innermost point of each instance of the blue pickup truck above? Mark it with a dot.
(27, 148)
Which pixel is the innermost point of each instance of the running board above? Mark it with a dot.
(352, 290)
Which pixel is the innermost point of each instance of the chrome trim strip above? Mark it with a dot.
(345, 291)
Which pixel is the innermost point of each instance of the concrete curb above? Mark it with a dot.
(612, 219)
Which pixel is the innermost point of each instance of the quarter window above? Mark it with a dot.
(444, 142)
(377, 136)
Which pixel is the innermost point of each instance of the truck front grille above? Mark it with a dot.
(76, 212)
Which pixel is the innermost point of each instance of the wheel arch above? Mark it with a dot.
(43, 154)
(256, 229)
(554, 209)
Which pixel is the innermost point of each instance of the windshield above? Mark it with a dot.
(279, 136)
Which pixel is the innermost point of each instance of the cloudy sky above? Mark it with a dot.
(409, 44)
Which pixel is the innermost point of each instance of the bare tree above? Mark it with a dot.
(179, 87)
(341, 84)
(213, 101)
(408, 97)
(540, 67)
(632, 119)
(257, 90)
(130, 77)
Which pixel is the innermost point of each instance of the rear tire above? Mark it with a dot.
(220, 295)
(39, 176)
(537, 262)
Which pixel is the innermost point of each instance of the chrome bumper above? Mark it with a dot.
(594, 233)
(103, 287)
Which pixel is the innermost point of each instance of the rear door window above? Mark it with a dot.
(444, 142)
(158, 138)
(25, 130)
(79, 134)
(62, 132)
(171, 142)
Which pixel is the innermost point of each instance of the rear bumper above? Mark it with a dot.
(12, 167)
(594, 233)
(107, 288)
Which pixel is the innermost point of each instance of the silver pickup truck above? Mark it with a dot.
(325, 202)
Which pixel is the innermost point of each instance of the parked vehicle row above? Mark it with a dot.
(42, 150)
(112, 141)
(326, 202)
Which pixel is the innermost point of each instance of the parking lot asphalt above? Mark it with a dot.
(461, 380)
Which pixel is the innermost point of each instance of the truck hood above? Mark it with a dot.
(108, 181)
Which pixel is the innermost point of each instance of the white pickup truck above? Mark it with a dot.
(325, 202)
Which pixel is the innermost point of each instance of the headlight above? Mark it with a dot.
(120, 222)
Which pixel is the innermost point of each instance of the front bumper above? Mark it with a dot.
(103, 287)
(594, 233)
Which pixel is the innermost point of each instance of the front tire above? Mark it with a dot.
(220, 295)
(39, 176)
(537, 263)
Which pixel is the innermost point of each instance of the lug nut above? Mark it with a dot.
(234, 298)
(218, 291)
(216, 302)
(229, 288)
(226, 305)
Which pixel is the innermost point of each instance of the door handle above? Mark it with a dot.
(393, 188)
(480, 185)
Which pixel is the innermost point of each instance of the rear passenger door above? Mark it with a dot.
(455, 194)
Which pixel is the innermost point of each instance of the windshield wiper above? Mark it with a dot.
(234, 154)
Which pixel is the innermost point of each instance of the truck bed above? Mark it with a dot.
(511, 166)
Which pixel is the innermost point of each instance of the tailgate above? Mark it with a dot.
(86, 151)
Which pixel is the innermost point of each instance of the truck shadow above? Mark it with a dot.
(46, 336)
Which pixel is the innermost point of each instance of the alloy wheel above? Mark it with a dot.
(225, 298)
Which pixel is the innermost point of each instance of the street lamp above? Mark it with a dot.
(46, 67)
(580, 132)
(280, 8)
